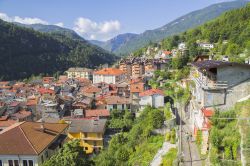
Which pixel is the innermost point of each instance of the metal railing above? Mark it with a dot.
(208, 84)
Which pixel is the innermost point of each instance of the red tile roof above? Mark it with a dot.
(91, 89)
(152, 92)
(96, 113)
(137, 88)
(167, 52)
(109, 71)
(27, 138)
(207, 112)
(45, 91)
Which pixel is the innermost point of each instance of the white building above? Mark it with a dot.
(206, 45)
(182, 46)
(80, 73)
(109, 76)
(30, 143)
(152, 97)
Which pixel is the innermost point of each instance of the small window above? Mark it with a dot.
(42, 159)
(25, 163)
(10, 162)
(46, 154)
(16, 162)
(31, 163)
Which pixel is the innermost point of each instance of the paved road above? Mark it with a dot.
(191, 154)
(161, 152)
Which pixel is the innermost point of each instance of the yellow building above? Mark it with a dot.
(90, 132)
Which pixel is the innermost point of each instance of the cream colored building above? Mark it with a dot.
(80, 73)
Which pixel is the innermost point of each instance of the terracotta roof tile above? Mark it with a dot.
(27, 138)
(109, 71)
(151, 92)
(137, 88)
(96, 113)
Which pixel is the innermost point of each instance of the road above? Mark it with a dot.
(191, 154)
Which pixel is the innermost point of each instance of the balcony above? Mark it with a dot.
(92, 139)
(206, 83)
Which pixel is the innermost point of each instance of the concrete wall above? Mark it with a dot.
(225, 99)
(214, 98)
(233, 74)
(158, 101)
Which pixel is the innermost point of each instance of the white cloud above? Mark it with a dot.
(93, 30)
(60, 24)
(26, 20)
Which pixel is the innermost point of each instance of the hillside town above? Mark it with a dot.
(92, 83)
(39, 116)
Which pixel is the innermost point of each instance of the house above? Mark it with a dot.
(91, 91)
(117, 102)
(99, 113)
(205, 45)
(182, 46)
(109, 76)
(202, 123)
(30, 143)
(215, 84)
(22, 115)
(47, 81)
(90, 132)
(152, 97)
(135, 90)
(79, 72)
(219, 83)
(123, 89)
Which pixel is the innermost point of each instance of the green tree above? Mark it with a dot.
(71, 154)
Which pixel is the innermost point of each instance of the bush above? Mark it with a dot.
(168, 136)
(170, 157)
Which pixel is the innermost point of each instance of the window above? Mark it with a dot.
(42, 158)
(13, 162)
(16, 162)
(46, 154)
(31, 163)
(10, 162)
(25, 163)
(28, 163)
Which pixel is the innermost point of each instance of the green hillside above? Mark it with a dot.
(24, 52)
(179, 25)
(230, 33)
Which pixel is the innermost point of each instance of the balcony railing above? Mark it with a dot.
(208, 84)
(92, 138)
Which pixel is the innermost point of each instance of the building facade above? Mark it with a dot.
(109, 76)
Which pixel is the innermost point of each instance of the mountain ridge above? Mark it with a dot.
(181, 24)
(24, 51)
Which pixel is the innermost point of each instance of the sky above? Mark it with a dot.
(100, 19)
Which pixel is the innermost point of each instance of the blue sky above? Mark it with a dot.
(100, 19)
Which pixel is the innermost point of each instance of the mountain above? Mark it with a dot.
(52, 29)
(181, 24)
(116, 42)
(24, 51)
